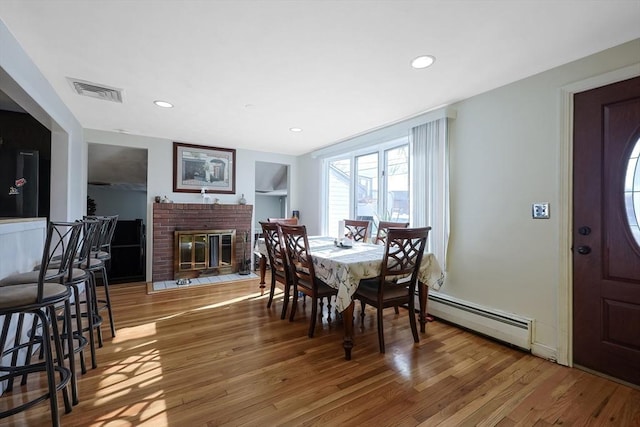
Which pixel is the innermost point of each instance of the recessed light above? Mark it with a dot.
(295, 129)
(423, 61)
(163, 104)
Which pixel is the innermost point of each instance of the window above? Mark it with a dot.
(372, 192)
(403, 179)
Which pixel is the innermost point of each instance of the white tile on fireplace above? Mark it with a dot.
(171, 284)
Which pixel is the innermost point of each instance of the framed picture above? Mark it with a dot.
(197, 166)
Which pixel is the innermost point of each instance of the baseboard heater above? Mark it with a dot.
(506, 327)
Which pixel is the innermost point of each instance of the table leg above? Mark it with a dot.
(423, 293)
(347, 319)
(263, 272)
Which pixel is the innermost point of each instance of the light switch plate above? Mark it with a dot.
(540, 210)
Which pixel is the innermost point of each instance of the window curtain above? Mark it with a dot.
(430, 184)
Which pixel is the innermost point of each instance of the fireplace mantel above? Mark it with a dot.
(170, 217)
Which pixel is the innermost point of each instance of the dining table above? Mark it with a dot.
(342, 268)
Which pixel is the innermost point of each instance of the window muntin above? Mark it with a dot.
(632, 192)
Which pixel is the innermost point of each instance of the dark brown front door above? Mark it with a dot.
(606, 254)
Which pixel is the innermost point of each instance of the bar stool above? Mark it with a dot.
(100, 257)
(42, 300)
(82, 301)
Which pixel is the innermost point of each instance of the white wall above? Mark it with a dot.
(160, 174)
(23, 82)
(268, 207)
(506, 153)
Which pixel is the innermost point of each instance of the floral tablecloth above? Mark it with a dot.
(343, 268)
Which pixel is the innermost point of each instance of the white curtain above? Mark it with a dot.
(430, 184)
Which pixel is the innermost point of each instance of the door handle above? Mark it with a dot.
(585, 231)
(584, 250)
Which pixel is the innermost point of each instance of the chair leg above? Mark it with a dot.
(412, 321)
(294, 304)
(50, 369)
(396, 309)
(314, 314)
(285, 302)
(380, 330)
(55, 333)
(92, 307)
(362, 307)
(14, 356)
(79, 328)
(67, 321)
(33, 333)
(105, 283)
(272, 290)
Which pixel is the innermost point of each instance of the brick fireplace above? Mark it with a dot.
(171, 217)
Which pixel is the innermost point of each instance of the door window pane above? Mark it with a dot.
(338, 197)
(632, 192)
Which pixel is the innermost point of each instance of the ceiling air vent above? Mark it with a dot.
(95, 90)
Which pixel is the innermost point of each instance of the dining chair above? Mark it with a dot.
(42, 299)
(359, 229)
(287, 221)
(300, 262)
(278, 262)
(396, 284)
(383, 229)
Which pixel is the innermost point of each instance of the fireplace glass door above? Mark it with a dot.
(204, 252)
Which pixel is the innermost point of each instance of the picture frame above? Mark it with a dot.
(198, 166)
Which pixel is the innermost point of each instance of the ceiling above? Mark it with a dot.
(242, 73)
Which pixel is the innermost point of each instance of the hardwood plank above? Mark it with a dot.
(217, 356)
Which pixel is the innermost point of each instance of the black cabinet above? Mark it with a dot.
(128, 252)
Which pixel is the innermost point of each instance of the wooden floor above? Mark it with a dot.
(215, 356)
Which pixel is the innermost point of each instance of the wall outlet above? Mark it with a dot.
(540, 210)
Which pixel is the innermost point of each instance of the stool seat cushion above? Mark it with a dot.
(32, 277)
(100, 254)
(24, 295)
